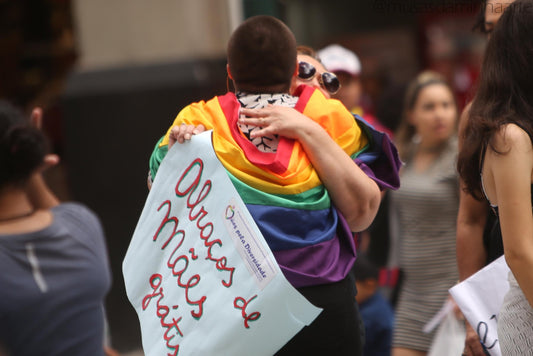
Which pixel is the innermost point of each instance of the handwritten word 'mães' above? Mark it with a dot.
(178, 264)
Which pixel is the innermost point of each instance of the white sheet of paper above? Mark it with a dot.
(480, 298)
(198, 271)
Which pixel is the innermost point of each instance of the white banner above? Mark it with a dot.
(480, 298)
(198, 271)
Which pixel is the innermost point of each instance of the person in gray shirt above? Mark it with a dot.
(55, 271)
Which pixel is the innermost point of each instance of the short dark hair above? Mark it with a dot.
(308, 51)
(22, 147)
(262, 55)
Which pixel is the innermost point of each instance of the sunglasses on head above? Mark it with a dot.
(327, 80)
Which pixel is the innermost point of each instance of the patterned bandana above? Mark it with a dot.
(258, 101)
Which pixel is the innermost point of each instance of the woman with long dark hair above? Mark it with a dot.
(496, 162)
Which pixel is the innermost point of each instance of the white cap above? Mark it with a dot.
(337, 58)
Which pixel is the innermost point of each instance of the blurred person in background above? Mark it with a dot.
(376, 311)
(347, 66)
(479, 240)
(426, 209)
(53, 257)
(312, 72)
(380, 243)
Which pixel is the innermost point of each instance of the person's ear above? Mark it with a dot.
(230, 84)
(229, 72)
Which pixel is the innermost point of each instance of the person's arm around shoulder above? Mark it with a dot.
(352, 191)
(509, 176)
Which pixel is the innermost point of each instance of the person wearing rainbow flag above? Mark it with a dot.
(295, 160)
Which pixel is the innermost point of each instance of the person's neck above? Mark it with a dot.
(266, 89)
(244, 92)
(431, 148)
(14, 203)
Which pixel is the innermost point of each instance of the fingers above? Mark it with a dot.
(474, 348)
(110, 351)
(277, 120)
(198, 129)
(259, 121)
(50, 160)
(254, 112)
(37, 117)
(183, 132)
(472, 343)
(458, 313)
(172, 137)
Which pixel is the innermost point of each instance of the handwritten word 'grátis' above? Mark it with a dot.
(171, 328)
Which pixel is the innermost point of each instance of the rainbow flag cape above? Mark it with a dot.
(310, 239)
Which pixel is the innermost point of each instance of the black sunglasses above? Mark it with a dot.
(327, 80)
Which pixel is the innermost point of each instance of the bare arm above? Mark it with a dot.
(37, 190)
(471, 219)
(40, 194)
(509, 186)
(471, 254)
(352, 191)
